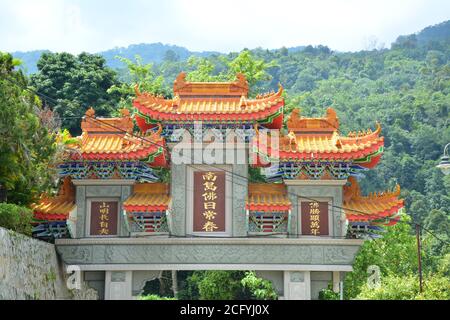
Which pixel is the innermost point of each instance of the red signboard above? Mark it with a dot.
(209, 201)
(104, 215)
(314, 218)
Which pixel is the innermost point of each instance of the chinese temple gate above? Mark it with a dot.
(115, 218)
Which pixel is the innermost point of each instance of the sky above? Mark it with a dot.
(226, 25)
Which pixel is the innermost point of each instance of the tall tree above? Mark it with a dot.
(76, 83)
(27, 145)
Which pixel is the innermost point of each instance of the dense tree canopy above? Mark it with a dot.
(27, 145)
(76, 83)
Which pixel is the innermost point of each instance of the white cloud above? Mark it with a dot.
(83, 25)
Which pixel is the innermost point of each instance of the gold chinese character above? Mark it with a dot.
(104, 231)
(315, 224)
(104, 217)
(104, 224)
(315, 218)
(210, 176)
(209, 226)
(314, 204)
(211, 195)
(209, 214)
(209, 186)
(314, 211)
(315, 232)
(209, 205)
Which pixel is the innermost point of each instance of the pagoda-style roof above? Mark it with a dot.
(113, 139)
(267, 197)
(318, 139)
(375, 207)
(56, 208)
(209, 101)
(148, 197)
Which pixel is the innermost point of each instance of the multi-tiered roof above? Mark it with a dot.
(113, 139)
(319, 140)
(210, 102)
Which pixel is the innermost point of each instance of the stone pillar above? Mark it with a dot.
(125, 193)
(118, 285)
(239, 194)
(81, 211)
(178, 193)
(297, 285)
(336, 280)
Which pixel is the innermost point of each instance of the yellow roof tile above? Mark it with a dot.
(56, 208)
(148, 197)
(372, 207)
(267, 197)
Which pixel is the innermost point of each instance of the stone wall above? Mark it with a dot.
(29, 269)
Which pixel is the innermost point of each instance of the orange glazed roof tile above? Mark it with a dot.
(181, 87)
(267, 197)
(318, 138)
(373, 207)
(211, 101)
(56, 208)
(112, 139)
(148, 197)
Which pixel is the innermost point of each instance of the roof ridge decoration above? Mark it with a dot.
(57, 207)
(239, 87)
(376, 206)
(92, 124)
(363, 136)
(299, 124)
(215, 102)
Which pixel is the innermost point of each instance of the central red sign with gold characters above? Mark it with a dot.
(209, 201)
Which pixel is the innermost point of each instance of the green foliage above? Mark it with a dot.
(203, 70)
(141, 76)
(225, 285)
(395, 253)
(226, 68)
(394, 287)
(220, 285)
(254, 175)
(260, 289)
(77, 83)
(188, 285)
(328, 294)
(27, 145)
(155, 297)
(16, 218)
